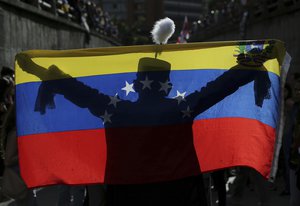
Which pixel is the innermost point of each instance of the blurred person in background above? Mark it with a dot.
(107, 25)
(83, 10)
(220, 185)
(13, 185)
(294, 158)
(6, 101)
(76, 11)
(99, 15)
(65, 7)
(6, 82)
(237, 190)
(91, 14)
(289, 115)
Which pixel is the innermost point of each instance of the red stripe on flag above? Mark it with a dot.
(234, 142)
(121, 156)
(76, 157)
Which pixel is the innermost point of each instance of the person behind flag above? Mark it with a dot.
(12, 185)
(152, 108)
(287, 135)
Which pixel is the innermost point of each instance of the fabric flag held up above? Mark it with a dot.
(120, 116)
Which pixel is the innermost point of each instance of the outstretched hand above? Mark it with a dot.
(54, 72)
(25, 62)
(254, 60)
(27, 65)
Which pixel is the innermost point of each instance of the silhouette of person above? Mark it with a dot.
(152, 137)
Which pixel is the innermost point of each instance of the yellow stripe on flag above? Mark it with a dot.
(90, 62)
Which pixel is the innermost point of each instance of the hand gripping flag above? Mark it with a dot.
(120, 116)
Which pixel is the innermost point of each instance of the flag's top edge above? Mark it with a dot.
(141, 48)
(251, 54)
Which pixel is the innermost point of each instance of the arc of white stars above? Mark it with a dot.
(187, 112)
(180, 97)
(128, 88)
(146, 83)
(106, 117)
(114, 100)
(165, 86)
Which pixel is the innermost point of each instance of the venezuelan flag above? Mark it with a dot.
(141, 114)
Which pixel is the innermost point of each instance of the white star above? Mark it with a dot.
(114, 100)
(128, 88)
(180, 97)
(187, 112)
(106, 117)
(146, 83)
(165, 86)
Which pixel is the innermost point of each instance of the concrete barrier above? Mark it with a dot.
(25, 27)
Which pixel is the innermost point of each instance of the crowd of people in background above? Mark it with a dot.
(84, 12)
(224, 13)
(221, 12)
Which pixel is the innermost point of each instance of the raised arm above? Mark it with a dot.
(248, 69)
(72, 89)
(27, 65)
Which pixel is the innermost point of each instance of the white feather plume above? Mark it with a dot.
(163, 29)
